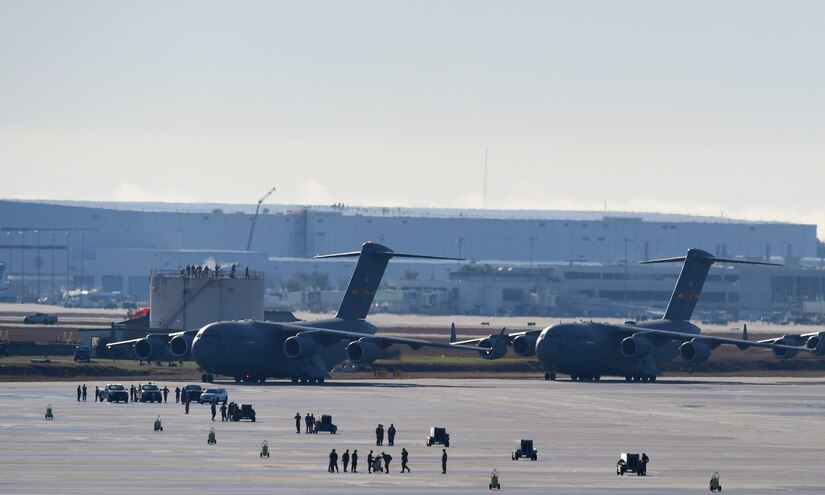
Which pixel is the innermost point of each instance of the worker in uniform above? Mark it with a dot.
(443, 461)
(298, 423)
(223, 411)
(333, 461)
(214, 410)
(387, 459)
(177, 395)
(186, 402)
(165, 393)
(404, 458)
(78, 393)
(354, 461)
(97, 393)
(306, 422)
(642, 471)
(391, 435)
(379, 435)
(84, 392)
(369, 462)
(345, 460)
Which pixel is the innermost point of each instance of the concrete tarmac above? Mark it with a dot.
(763, 435)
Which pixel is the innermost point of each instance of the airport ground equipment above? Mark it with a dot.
(82, 353)
(494, 483)
(525, 449)
(628, 463)
(49, 412)
(158, 424)
(244, 412)
(377, 467)
(715, 484)
(211, 440)
(265, 449)
(326, 425)
(114, 392)
(438, 435)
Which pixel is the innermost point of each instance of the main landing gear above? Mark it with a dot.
(638, 377)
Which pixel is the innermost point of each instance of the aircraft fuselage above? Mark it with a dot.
(590, 350)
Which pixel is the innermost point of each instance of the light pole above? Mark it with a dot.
(37, 264)
(11, 259)
(51, 296)
(626, 240)
(68, 262)
(460, 242)
(531, 240)
(22, 266)
(82, 259)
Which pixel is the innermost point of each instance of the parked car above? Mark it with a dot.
(82, 353)
(40, 318)
(114, 392)
(211, 395)
(191, 392)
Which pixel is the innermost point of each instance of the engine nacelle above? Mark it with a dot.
(694, 351)
(180, 346)
(493, 352)
(790, 340)
(524, 345)
(149, 349)
(817, 344)
(635, 347)
(362, 351)
(297, 347)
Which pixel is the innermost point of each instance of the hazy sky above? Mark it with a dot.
(688, 107)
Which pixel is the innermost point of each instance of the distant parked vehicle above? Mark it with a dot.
(82, 353)
(114, 392)
(149, 393)
(211, 395)
(40, 318)
(191, 392)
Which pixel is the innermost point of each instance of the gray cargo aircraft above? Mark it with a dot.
(636, 351)
(251, 351)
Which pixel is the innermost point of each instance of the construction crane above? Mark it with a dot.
(255, 218)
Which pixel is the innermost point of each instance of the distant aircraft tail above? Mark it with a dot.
(689, 285)
(372, 261)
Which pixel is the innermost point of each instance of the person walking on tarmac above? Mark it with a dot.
(223, 412)
(97, 393)
(345, 460)
(84, 392)
(312, 423)
(186, 402)
(379, 435)
(333, 462)
(78, 393)
(404, 458)
(354, 461)
(177, 395)
(387, 459)
(369, 462)
(214, 410)
(165, 393)
(443, 461)
(391, 435)
(298, 423)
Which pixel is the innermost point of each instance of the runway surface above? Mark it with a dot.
(763, 435)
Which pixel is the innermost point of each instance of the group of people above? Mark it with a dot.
(641, 466)
(379, 435)
(198, 271)
(310, 423)
(375, 463)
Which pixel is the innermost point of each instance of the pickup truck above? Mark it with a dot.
(41, 318)
(149, 393)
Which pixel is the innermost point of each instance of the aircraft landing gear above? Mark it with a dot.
(207, 378)
(550, 375)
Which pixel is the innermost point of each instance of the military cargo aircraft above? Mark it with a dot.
(636, 351)
(252, 351)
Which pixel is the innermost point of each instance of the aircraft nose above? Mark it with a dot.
(201, 351)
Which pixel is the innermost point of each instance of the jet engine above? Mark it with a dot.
(180, 346)
(817, 344)
(524, 345)
(149, 349)
(495, 352)
(296, 347)
(635, 347)
(362, 351)
(694, 351)
(790, 340)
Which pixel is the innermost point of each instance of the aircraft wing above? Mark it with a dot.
(509, 337)
(159, 336)
(713, 341)
(382, 341)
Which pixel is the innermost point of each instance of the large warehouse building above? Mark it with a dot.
(47, 246)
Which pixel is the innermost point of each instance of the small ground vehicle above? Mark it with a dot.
(494, 480)
(211, 395)
(326, 425)
(265, 449)
(40, 318)
(149, 393)
(82, 353)
(158, 425)
(191, 392)
(49, 412)
(114, 392)
(211, 440)
(715, 484)
(525, 449)
(438, 435)
(243, 412)
(633, 463)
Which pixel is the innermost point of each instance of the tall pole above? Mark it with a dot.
(82, 269)
(51, 296)
(460, 241)
(37, 264)
(255, 218)
(11, 259)
(68, 261)
(531, 239)
(22, 266)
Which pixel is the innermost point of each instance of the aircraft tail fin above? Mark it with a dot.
(452, 333)
(372, 261)
(745, 337)
(695, 267)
